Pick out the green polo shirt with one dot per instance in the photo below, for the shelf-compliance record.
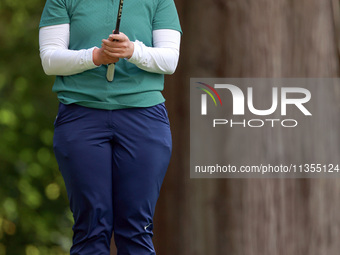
(90, 22)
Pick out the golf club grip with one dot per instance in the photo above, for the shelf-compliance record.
(110, 72)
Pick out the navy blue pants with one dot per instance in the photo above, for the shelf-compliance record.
(113, 164)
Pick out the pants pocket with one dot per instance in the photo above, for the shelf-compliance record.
(159, 112)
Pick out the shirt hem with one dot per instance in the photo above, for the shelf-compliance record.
(112, 106)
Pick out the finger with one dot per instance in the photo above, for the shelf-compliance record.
(111, 54)
(110, 43)
(118, 37)
(110, 47)
(114, 44)
(113, 49)
(120, 33)
(117, 48)
(109, 58)
(117, 44)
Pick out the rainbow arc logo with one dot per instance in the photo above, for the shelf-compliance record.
(204, 96)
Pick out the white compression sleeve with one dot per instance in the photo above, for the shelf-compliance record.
(55, 56)
(57, 59)
(163, 57)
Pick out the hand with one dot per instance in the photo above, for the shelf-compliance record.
(101, 58)
(118, 46)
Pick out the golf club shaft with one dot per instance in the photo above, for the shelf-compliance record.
(111, 67)
(119, 16)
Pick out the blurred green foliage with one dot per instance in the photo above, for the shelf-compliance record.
(34, 214)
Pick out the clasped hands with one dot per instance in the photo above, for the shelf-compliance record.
(112, 49)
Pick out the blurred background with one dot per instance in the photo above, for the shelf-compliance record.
(222, 38)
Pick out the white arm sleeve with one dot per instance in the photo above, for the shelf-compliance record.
(163, 57)
(55, 56)
(57, 59)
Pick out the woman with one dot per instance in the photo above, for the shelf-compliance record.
(112, 140)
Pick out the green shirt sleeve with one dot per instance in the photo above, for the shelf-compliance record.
(54, 13)
(166, 16)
